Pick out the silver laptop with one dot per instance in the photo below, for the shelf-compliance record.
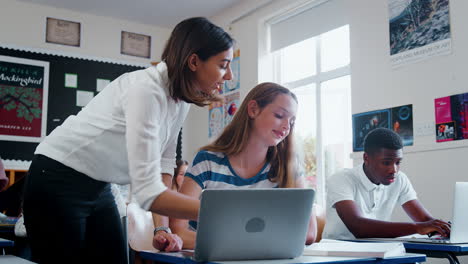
(459, 230)
(246, 224)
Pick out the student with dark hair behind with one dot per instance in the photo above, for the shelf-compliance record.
(360, 201)
(126, 134)
(163, 238)
(179, 174)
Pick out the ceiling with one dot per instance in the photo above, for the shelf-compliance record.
(162, 13)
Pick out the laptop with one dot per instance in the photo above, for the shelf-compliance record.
(248, 224)
(459, 229)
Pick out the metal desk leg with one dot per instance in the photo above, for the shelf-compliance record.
(452, 258)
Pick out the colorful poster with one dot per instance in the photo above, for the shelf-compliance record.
(399, 119)
(451, 115)
(418, 30)
(23, 99)
(215, 119)
(234, 83)
(231, 103)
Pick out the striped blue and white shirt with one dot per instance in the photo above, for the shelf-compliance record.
(212, 170)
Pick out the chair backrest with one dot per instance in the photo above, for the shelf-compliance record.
(140, 228)
(321, 217)
(3, 177)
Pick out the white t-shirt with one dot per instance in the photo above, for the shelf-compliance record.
(126, 134)
(375, 201)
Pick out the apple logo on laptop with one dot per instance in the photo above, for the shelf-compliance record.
(254, 225)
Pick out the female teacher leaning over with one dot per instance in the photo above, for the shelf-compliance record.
(126, 134)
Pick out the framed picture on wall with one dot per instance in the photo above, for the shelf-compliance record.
(63, 32)
(135, 44)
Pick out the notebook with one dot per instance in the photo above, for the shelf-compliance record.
(247, 224)
(329, 247)
(459, 230)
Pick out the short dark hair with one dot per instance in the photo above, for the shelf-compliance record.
(196, 35)
(380, 138)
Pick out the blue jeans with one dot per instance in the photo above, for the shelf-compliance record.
(70, 217)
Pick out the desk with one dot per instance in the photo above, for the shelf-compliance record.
(7, 225)
(184, 257)
(448, 251)
(14, 260)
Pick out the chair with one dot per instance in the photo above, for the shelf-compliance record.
(3, 177)
(140, 228)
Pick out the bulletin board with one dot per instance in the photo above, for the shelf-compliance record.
(84, 74)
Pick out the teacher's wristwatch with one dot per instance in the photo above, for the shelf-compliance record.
(162, 228)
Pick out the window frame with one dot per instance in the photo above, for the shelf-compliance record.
(316, 79)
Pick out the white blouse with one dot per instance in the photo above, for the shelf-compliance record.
(126, 134)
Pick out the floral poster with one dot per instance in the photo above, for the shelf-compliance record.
(215, 119)
(23, 99)
(419, 29)
(231, 103)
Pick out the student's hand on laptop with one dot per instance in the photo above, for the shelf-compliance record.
(436, 225)
(167, 242)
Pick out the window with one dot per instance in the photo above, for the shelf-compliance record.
(317, 71)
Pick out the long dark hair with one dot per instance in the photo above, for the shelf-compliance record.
(198, 36)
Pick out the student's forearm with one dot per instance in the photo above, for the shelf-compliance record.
(365, 227)
(416, 211)
(181, 228)
(173, 204)
(188, 236)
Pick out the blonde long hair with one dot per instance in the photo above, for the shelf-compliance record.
(236, 135)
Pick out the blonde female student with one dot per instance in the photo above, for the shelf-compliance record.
(126, 134)
(254, 151)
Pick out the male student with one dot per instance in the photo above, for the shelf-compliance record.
(360, 201)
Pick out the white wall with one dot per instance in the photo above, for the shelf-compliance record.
(23, 24)
(432, 167)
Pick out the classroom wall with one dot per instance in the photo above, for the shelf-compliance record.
(23, 24)
(432, 167)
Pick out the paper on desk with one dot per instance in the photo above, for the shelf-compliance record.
(328, 247)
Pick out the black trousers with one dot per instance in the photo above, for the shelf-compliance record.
(70, 217)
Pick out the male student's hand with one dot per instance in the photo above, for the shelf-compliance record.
(435, 225)
(167, 242)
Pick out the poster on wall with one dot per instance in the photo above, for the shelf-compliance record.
(231, 103)
(215, 119)
(451, 115)
(234, 83)
(418, 30)
(399, 119)
(23, 99)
